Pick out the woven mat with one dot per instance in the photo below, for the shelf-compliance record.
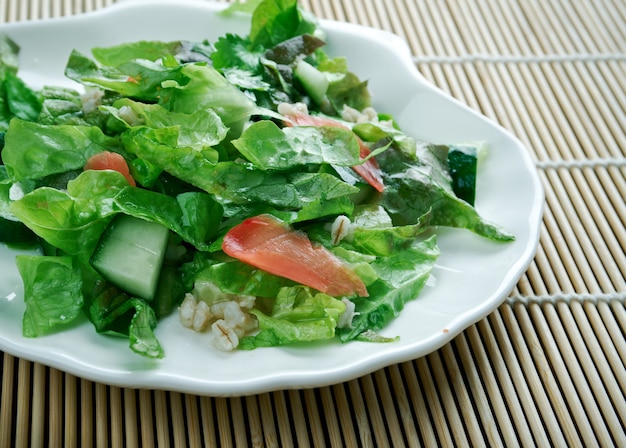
(547, 368)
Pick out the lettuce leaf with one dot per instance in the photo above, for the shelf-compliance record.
(401, 277)
(72, 220)
(52, 292)
(296, 315)
(236, 277)
(204, 87)
(269, 147)
(118, 55)
(373, 232)
(200, 129)
(34, 151)
(240, 183)
(137, 78)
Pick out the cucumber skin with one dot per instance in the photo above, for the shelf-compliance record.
(462, 164)
(130, 255)
(314, 82)
(16, 234)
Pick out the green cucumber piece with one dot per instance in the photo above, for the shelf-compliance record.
(15, 233)
(463, 164)
(130, 255)
(314, 82)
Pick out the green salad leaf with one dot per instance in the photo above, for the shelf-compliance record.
(296, 315)
(112, 312)
(270, 148)
(33, 150)
(401, 277)
(52, 292)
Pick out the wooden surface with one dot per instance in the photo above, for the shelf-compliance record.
(547, 368)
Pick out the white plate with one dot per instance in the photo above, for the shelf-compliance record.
(473, 275)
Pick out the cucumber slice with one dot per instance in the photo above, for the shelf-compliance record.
(15, 233)
(314, 82)
(463, 163)
(130, 255)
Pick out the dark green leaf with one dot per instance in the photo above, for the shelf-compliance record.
(113, 312)
(290, 50)
(415, 187)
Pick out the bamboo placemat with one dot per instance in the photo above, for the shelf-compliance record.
(547, 368)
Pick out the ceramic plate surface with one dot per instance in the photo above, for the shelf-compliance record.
(473, 275)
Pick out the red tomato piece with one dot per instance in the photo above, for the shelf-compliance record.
(269, 244)
(369, 170)
(107, 160)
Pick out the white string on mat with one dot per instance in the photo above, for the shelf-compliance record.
(567, 297)
(480, 57)
(584, 163)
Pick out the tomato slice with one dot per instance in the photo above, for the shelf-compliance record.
(369, 170)
(107, 160)
(269, 244)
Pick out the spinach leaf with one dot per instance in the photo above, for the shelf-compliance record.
(463, 164)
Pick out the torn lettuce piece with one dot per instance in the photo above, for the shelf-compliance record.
(204, 87)
(118, 55)
(372, 231)
(33, 151)
(275, 21)
(17, 99)
(61, 106)
(236, 277)
(401, 277)
(296, 315)
(52, 292)
(72, 220)
(138, 78)
(269, 147)
(200, 129)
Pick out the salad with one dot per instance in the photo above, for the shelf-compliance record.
(247, 184)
